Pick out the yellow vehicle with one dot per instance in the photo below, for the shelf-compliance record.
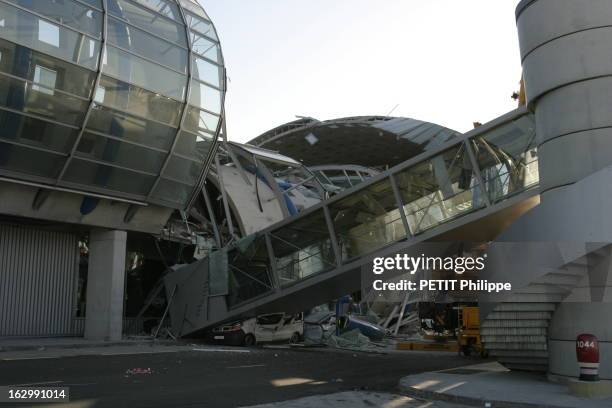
(468, 332)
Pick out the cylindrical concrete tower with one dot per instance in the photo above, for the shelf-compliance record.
(567, 63)
(565, 50)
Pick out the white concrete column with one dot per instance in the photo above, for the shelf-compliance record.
(105, 285)
(565, 50)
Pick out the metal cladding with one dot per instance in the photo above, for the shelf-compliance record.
(371, 141)
(34, 303)
(122, 98)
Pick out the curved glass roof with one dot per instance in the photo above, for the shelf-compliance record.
(116, 97)
(371, 141)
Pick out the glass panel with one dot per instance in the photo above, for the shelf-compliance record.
(36, 132)
(24, 28)
(199, 121)
(123, 154)
(203, 96)
(23, 160)
(130, 98)
(194, 7)
(140, 72)
(439, 189)
(218, 274)
(173, 192)
(68, 77)
(508, 158)
(338, 178)
(163, 7)
(195, 146)
(206, 71)
(147, 45)
(367, 220)
(148, 20)
(184, 170)
(249, 272)
(200, 25)
(112, 178)
(94, 3)
(320, 175)
(134, 129)
(205, 47)
(302, 248)
(36, 99)
(67, 12)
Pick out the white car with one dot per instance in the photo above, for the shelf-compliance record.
(274, 327)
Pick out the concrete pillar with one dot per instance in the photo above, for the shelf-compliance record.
(105, 285)
(565, 51)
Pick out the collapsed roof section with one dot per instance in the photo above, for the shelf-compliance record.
(370, 141)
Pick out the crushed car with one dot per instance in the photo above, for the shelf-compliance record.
(268, 328)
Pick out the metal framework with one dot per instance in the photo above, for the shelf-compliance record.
(185, 107)
(93, 91)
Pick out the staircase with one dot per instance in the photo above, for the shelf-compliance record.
(516, 332)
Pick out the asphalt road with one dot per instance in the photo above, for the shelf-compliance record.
(215, 378)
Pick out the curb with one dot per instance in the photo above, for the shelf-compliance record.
(458, 399)
(77, 346)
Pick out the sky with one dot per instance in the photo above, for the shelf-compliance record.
(444, 61)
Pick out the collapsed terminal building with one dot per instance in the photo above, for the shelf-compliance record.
(121, 196)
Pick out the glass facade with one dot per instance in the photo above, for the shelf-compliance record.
(119, 97)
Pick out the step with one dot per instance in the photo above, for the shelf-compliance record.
(514, 339)
(513, 323)
(513, 331)
(539, 368)
(544, 288)
(576, 270)
(582, 261)
(537, 298)
(526, 307)
(559, 279)
(540, 361)
(491, 345)
(519, 315)
(521, 353)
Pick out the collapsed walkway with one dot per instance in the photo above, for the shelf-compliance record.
(467, 189)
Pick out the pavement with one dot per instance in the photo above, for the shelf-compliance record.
(140, 372)
(44, 343)
(491, 383)
(185, 375)
(358, 399)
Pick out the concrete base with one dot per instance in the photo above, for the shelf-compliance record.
(597, 389)
(105, 285)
